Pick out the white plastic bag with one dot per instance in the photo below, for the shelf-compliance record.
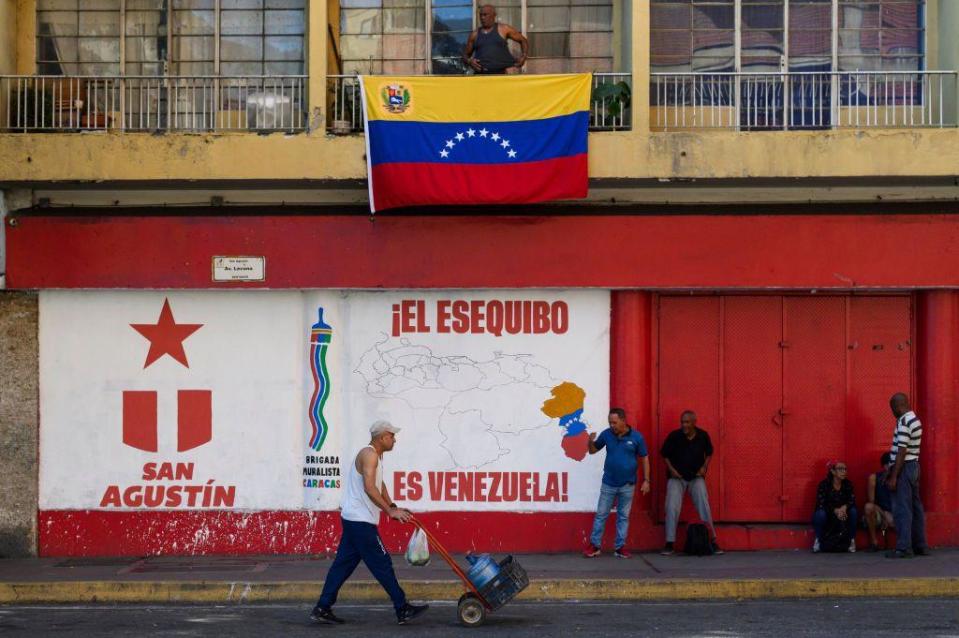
(418, 551)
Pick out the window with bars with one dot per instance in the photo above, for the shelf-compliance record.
(180, 37)
(428, 36)
(881, 35)
(870, 35)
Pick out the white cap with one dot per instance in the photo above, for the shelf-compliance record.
(379, 427)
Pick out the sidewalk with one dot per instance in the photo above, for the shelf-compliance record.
(209, 579)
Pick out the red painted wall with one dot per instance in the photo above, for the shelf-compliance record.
(723, 252)
(622, 251)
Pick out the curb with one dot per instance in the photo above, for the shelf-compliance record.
(539, 590)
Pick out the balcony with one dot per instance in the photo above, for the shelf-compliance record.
(803, 100)
(40, 103)
(345, 108)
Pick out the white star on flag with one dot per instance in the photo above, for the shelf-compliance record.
(459, 137)
(512, 153)
(444, 153)
(450, 144)
(504, 143)
(471, 132)
(495, 137)
(483, 132)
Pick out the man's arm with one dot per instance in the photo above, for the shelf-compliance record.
(516, 36)
(368, 461)
(468, 53)
(644, 488)
(593, 448)
(672, 470)
(871, 489)
(702, 471)
(894, 472)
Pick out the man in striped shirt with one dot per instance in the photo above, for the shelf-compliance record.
(903, 481)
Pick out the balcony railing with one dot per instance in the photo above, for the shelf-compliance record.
(149, 103)
(345, 109)
(802, 100)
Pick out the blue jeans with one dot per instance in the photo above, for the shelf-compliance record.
(361, 541)
(624, 499)
(907, 510)
(820, 518)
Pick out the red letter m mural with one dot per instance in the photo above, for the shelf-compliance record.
(194, 419)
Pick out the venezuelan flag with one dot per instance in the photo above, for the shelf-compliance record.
(475, 139)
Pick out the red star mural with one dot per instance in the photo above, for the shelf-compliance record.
(166, 336)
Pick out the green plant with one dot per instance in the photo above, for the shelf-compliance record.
(615, 96)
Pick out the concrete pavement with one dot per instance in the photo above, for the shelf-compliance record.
(734, 575)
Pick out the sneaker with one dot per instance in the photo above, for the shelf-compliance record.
(667, 550)
(408, 612)
(922, 551)
(326, 616)
(622, 552)
(873, 548)
(591, 551)
(815, 546)
(717, 550)
(898, 553)
(852, 546)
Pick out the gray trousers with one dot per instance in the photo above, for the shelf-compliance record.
(675, 488)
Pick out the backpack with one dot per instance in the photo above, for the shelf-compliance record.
(697, 540)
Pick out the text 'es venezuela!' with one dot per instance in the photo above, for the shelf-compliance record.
(483, 487)
(481, 316)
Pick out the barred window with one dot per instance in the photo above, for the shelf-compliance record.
(881, 35)
(797, 35)
(256, 37)
(428, 36)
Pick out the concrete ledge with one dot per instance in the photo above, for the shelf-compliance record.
(545, 590)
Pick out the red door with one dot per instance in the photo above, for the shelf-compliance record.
(814, 396)
(782, 384)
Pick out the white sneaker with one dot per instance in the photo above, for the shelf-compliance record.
(815, 546)
(852, 546)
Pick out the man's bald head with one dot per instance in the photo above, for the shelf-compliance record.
(487, 15)
(899, 404)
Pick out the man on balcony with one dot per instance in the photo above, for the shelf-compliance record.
(487, 50)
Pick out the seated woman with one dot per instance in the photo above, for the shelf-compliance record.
(835, 517)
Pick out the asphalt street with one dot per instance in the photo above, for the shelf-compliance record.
(847, 617)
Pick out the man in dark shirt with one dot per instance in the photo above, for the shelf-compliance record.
(487, 49)
(624, 446)
(687, 452)
(878, 508)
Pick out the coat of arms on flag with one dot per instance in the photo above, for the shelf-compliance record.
(476, 140)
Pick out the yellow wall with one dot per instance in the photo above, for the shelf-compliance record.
(629, 154)
(8, 37)
(238, 156)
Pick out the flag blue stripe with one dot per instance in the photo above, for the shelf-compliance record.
(533, 140)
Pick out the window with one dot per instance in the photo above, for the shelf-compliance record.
(428, 36)
(881, 35)
(179, 37)
(692, 36)
(797, 35)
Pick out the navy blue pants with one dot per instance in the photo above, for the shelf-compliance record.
(821, 518)
(361, 541)
(907, 510)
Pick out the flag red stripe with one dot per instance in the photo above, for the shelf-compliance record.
(416, 184)
(140, 419)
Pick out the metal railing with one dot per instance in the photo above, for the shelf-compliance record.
(149, 103)
(345, 108)
(803, 100)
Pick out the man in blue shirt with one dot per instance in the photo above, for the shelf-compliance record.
(624, 446)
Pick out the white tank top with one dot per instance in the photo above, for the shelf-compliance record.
(357, 506)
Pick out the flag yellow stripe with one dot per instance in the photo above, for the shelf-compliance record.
(499, 98)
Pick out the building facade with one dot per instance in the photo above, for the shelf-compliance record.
(200, 316)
